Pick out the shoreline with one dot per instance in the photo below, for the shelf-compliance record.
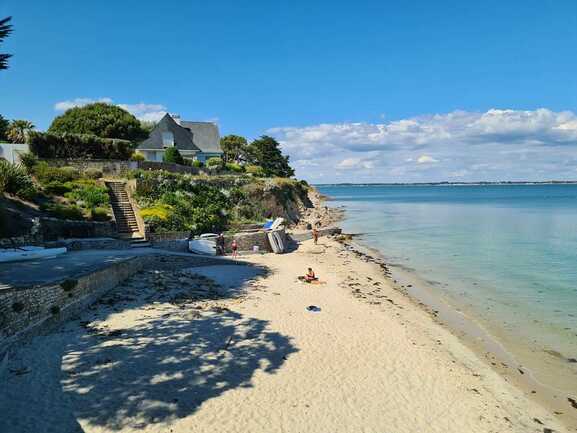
(494, 350)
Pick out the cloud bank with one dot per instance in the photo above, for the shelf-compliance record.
(144, 112)
(495, 145)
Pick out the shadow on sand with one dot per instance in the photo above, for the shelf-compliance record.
(163, 366)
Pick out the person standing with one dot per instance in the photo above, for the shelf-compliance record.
(315, 235)
(220, 245)
(234, 248)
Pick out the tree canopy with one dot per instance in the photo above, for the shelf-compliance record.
(234, 148)
(266, 153)
(100, 119)
(5, 30)
(173, 156)
(18, 131)
(4, 124)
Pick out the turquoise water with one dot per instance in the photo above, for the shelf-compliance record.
(507, 253)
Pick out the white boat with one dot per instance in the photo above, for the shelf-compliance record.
(205, 244)
(277, 223)
(276, 241)
(28, 253)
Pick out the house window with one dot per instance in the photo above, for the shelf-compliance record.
(167, 139)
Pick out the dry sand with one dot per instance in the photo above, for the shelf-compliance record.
(176, 353)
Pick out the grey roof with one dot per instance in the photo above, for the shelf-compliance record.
(199, 136)
(205, 135)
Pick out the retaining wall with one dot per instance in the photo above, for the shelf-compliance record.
(28, 311)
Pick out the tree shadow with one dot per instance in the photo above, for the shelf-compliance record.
(162, 368)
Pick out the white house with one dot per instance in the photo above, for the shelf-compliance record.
(194, 140)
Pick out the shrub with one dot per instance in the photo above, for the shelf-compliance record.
(93, 173)
(45, 173)
(79, 146)
(172, 155)
(55, 187)
(255, 170)
(99, 214)
(28, 160)
(159, 212)
(137, 156)
(214, 162)
(88, 195)
(15, 180)
(234, 167)
(198, 164)
(65, 212)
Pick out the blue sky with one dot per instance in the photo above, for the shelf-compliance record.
(336, 82)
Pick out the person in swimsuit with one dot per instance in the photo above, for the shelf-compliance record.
(315, 235)
(310, 276)
(234, 248)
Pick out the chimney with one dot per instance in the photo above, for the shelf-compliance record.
(176, 118)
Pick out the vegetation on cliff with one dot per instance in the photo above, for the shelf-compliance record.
(176, 202)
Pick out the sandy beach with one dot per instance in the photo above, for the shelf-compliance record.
(235, 349)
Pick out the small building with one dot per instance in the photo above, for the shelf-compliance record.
(194, 140)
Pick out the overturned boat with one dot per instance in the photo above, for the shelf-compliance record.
(28, 253)
(204, 244)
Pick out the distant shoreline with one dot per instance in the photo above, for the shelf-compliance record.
(499, 183)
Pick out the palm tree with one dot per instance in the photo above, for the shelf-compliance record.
(18, 130)
(5, 30)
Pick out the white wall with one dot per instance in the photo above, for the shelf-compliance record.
(11, 151)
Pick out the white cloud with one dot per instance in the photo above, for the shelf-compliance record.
(426, 159)
(491, 145)
(144, 112)
(355, 163)
(78, 102)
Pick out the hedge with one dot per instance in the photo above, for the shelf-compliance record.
(45, 145)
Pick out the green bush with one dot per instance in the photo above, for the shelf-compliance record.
(137, 156)
(14, 179)
(45, 145)
(198, 164)
(172, 155)
(65, 212)
(99, 119)
(93, 173)
(99, 214)
(45, 173)
(55, 187)
(88, 195)
(234, 167)
(28, 160)
(255, 170)
(214, 162)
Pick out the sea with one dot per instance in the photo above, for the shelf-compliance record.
(505, 254)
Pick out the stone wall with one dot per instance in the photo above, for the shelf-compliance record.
(109, 167)
(27, 311)
(52, 229)
(247, 241)
(303, 236)
(173, 168)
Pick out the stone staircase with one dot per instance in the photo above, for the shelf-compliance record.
(126, 223)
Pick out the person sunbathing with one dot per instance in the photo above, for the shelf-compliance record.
(310, 276)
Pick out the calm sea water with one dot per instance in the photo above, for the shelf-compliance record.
(508, 253)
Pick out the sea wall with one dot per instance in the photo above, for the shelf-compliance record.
(52, 229)
(28, 311)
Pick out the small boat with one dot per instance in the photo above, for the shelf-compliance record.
(276, 241)
(205, 244)
(28, 253)
(273, 225)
